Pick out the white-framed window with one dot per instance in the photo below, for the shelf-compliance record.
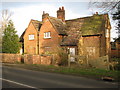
(72, 53)
(47, 35)
(31, 37)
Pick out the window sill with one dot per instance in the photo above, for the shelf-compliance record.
(31, 40)
(47, 37)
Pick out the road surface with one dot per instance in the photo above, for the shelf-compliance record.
(21, 78)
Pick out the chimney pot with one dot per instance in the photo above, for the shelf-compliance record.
(43, 12)
(44, 16)
(59, 8)
(61, 14)
(97, 13)
(62, 8)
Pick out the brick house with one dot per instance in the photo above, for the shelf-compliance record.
(115, 48)
(81, 36)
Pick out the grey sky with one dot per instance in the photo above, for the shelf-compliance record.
(25, 11)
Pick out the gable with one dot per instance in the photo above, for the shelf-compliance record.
(30, 30)
(59, 26)
(47, 26)
(37, 24)
(34, 25)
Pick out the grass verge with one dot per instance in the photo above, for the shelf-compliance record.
(89, 73)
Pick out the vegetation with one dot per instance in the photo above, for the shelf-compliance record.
(112, 7)
(89, 73)
(117, 66)
(93, 24)
(63, 56)
(10, 40)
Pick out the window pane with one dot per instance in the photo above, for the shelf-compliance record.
(47, 35)
(31, 37)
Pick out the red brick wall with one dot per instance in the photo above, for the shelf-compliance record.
(46, 60)
(115, 53)
(30, 46)
(28, 59)
(10, 58)
(52, 42)
(37, 59)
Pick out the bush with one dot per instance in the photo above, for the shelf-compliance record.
(63, 57)
(117, 66)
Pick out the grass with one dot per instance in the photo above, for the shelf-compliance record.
(89, 73)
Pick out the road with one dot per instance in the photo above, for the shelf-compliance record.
(21, 78)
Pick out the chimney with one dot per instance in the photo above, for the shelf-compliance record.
(44, 15)
(96, 13)
(61, 14)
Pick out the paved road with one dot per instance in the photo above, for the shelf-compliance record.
(22, 78)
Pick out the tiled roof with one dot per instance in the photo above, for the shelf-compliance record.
(37, 24)
(73, 29)
(58, 25)
(81, 27)
(21, 37)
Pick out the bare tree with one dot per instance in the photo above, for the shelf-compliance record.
(110, 6)
(5, 17)
(107, 6)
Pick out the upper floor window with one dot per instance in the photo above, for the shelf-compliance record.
(47, 35)
(31, 37)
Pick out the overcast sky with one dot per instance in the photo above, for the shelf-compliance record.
(23, 12)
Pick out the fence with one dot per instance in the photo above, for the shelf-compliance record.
(86, 62)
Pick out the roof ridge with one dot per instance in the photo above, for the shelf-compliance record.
(83, 17)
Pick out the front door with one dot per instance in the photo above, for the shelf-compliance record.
(72, 54)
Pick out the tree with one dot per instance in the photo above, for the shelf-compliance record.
(4, 19)
(106, 6)
(10, 41)
(6, 15)
(116, 16)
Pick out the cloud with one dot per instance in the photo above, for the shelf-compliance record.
(23, 15)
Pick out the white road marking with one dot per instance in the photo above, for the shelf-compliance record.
(18, 83)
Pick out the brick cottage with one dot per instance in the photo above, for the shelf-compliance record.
(89, 36)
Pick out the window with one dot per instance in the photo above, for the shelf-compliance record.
(47, 35)
(72, 53)
(91, 51)
(31, 37)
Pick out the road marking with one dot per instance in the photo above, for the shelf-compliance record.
(18, 83)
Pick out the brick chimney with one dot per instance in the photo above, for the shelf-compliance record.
(61, 14)
(44, 16)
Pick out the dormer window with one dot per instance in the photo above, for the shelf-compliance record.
(31, 37)
(47, 35)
